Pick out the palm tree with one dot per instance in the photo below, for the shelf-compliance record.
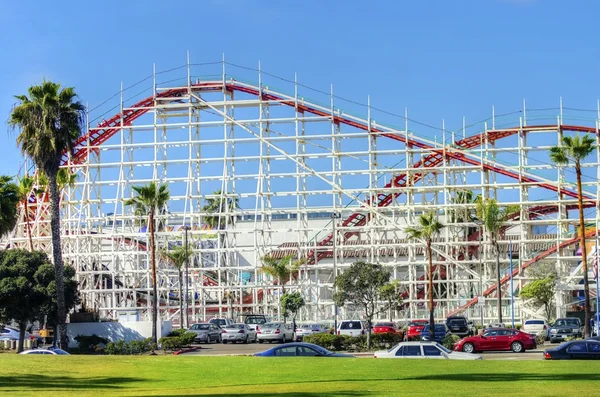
(9, 199)
(230, 297)
(50, 121)
(575, 149)
(428, 227)
(149, 201)
(219, 207)
(178, 256)
(25, 189)
(494, 218)
(280, 269)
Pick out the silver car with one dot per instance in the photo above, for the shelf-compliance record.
(206, 332)
(238, 333)
(308, 329)
(275, 332)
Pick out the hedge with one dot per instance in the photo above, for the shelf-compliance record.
(358, 343)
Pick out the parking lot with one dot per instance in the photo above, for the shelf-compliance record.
(218, 349)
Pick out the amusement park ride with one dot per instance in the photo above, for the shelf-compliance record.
(290, 164)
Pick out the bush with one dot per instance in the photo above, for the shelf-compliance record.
(141, 346)
(187, 338)
(90, 343)
(118, 348)
(449, 341)
(358, 343)
(385, 340)
(177, 332)
(328, 341)
(170, 342)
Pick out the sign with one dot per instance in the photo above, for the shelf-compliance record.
(480, 300)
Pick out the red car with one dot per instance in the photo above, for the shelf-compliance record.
(497, 339)
(383, 327)
(414, 329)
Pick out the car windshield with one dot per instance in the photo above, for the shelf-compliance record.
(457, 321)
(200, 327)
(236, 326)
(218, 321)
(384, 325)
(255, 320)
(442, 348)
(438, 328)
(59, 351)
(351, 325)
(534, 322)
(416, 323)
(566, 322)
(321, 350)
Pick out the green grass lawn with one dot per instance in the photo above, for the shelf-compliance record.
(307, 377)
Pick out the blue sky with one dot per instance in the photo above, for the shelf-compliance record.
(441, 59)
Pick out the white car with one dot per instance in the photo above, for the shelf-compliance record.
(275, 332)
(46, 352)
(9, 333)
(238, 333)
(536, 326)
(308, 329)
(429, 350)
(352, 328)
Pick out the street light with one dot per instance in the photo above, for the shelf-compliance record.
(335, 216)
(479, 224)
(187, 282)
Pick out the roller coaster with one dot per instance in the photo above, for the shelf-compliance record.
(313, 182)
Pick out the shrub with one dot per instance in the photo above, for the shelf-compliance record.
(90, 343)
(141, 346)
(328, 341)
(170, 342)
(449, 341)
(187, 338)
(177, 332)
(385, 340)
(118, 348)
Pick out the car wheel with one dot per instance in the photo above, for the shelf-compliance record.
(517, 347)
(246, 340)
(220, 339)
(468, 348)
(224, 342)
(207, 340)
(260, 341)
(283, 339)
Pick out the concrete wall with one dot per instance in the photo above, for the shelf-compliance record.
(116, 331)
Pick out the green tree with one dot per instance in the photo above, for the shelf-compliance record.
(45, 279)
(393, 297)
(541, 292)
(221, 209)
(575, 150)
(150, 200)
(292, 303)
(20, 297)
(26, 188)
(428, 227)
(361, 285)
(281, 270)
(50, 121)
(9, 199)
(494, 219)
(178, 256)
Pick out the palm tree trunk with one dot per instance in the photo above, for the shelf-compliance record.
(586, 286)
(430, 278)
(27, 223)
(180, 298)
(58, 262)
(498, 290)
(154, 289)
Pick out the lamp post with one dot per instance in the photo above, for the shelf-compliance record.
(335, 216)
(187, 282)
(479, 224)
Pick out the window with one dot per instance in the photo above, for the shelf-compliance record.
(534, 322)
(431, 351)
(504, 332)
(351, 325)
(594, 347)
(491, 333)
(197, 327)
(286, 352)
(399, 352)
(577, 348)
(412, 351)
(304, 351)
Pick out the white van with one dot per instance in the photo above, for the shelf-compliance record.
(352, 328)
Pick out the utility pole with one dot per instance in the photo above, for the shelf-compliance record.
(335, 216)
(479, 224)
(187, 282)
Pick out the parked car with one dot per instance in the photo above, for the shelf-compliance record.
(221, 322)
(496, 325)
(439, 332)
(300, 349)
(536, 326)
(458, 325)
(352, 328)
(472, 327)
(564, 328)
(383, 327)
(431, 350)
(46, 352)
(414, 329)
(206, 332)
(497, 339)
(255, 321)
(9, 333)
(309, 329)
(238, 333)
(275, 332)
(575, 350)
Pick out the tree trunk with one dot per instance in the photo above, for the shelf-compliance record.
(22, 325)
(180, 298)
(369, 332)
(391, 312)
(498, 289)
(27, 225)
(430, 278)
(586, 286)
(154, 288)
(58, 262)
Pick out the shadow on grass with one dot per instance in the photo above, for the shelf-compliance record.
(63, 382)
(504, 377)
(270, 393)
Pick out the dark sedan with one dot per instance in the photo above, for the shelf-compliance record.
(299, 349)
(575, 350)
(439, 333)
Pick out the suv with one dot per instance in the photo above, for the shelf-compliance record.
(458, 325)
(564, 328)
(352, 328)
(222, 322)
(255, 321)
